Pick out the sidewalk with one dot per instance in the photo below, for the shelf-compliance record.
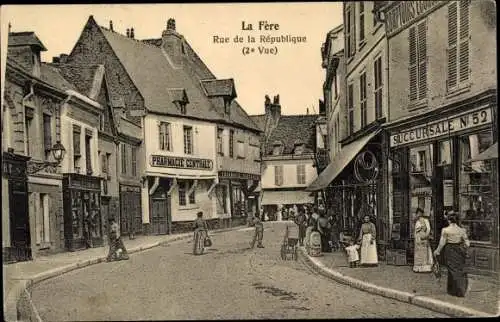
(19, 276)
(401, 283)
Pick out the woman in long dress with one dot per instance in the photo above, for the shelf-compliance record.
(367, 236)
(455, 243)
(422, 261)
(200, 234)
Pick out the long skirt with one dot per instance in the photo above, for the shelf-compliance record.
(368, 251)
(454, 256)
(307, 239)
(315, 244)
(325, 239)
(422, 260)
(199, 241)
(117, 250)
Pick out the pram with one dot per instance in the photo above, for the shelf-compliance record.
(290, 242)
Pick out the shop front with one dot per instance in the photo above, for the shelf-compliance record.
(240, 188)
(435, 167)
(82, 212)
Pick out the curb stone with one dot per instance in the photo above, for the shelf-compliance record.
(422, 301)
(30, 313)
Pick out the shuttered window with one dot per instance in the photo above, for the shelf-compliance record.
(377, 72)
(362, 98)
(361, 23)
(458, 43)
(278, 175)
(164, 137)
(350, 107)
(350, 32)
(418, 61)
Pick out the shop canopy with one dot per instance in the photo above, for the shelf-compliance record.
(488, 154)
(339, 162)
(286, 197)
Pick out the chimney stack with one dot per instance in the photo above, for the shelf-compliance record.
(63, 58)
(132, 35)
(55, 60)
(172, 43)
(128, 33)
(171, 24)
(111, 25)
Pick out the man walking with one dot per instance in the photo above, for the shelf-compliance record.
(259, 233)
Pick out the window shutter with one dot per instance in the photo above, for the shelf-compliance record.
(353, 32)
(452, 45)
(422, 60)
(413, 63)
(161, 136)
(103, 163)
(464, 41)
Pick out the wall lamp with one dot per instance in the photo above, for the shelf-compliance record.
(58, 152)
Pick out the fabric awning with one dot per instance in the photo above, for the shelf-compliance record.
(488, 154)
(286, 197)
(339, 162)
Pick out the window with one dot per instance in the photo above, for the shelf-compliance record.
(377, 72)
(337, 133)
(182, 107)
(42, 220)
(350, 32)
(124, 158)
(418, 61)
(361, 23)
(47, 134)
(28, 122)
(105, 171)
(76, 148)
(278, 175)
(241, 149)
(350, 107)
(220, 141)
(231, 143)
(301, 174)
(335, 85)
(133, 156)
(188, 140)
(184, 187)
(362, 98)
(476, 182)
(88, 154)
(458, 43)
(164, 130)
(101, 122)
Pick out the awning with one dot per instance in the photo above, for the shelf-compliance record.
(339, 162)
(488, 154)
(286, 197)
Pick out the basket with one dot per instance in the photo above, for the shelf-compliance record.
(396, 257)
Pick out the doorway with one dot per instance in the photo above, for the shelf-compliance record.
(160, 212)
(19, 221)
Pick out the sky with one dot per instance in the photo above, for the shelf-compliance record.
(295, 72)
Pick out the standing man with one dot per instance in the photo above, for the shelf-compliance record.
(259, 233)
(301, 221)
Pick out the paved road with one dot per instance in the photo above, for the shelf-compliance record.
(229, 282)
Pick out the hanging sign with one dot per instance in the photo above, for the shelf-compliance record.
(442, 127)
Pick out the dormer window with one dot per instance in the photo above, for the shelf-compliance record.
(277, 148)
(182, 107)
(179, 98)
(298, 147)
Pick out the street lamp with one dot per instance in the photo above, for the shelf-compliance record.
(58, 152)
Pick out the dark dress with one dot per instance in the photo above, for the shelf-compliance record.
(200, 233)
(324, 230)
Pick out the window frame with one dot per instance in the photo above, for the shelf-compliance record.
(378, 87)
(458, 47)
(220, 141)
(133, 157)
(278, 175)
(418, 90)
(361, 21)
(123, 157)
(350, 108)
(231, 143)
(164, 136)
(363, 99)
(188, 140)
(301, 174)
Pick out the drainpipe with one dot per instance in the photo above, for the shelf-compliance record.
(25, 98)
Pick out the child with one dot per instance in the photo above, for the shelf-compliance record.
(352, 254)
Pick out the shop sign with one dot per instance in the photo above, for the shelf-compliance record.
(406, 12)
(238, 175)
(442, 127)
(181, 162)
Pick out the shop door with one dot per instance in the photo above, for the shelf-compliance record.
(19, 220)
(159, 216)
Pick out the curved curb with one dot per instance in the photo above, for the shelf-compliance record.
(422, 301)
(15, 309)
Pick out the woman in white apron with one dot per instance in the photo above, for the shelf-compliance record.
(367, 236)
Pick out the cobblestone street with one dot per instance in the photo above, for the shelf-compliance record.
(230, 281)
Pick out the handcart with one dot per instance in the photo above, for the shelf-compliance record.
(290, 243)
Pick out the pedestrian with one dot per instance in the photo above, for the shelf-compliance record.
(200, 234)
(352, 254)
(334, 232)
(455, 243)
(367, 237)
(117, 250)
(324, 230)
(301, 222)
(422, 262)
(259, 233)
(311, 224)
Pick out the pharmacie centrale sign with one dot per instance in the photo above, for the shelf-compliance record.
(181, 162)
(442, 127)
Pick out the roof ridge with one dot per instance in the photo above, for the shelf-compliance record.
(125, 37)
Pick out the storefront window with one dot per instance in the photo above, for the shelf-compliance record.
(421, 172)
(476, 182)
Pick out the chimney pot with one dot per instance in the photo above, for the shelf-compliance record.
(132, 35)
(63, 58)
(111, 25)
(55, 60)
(128, 33)
(171, 24)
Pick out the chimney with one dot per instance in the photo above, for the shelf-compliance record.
(128, 33)
(307, 110)
(111, 25)
(273, 110)
(132, 35)
(172, 43)
(55, 60)
(63, 58)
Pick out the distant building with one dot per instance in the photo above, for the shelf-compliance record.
(288, 158)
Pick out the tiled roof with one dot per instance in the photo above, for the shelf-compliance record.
(81, 76)
(52, 76)
(219, 87)
(25, 38)
(260, 120)
(291, 129)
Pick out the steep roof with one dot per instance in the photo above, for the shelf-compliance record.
(260, 120)
(52, 76)
(25, 38)
(291, 129)
(81, 76)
